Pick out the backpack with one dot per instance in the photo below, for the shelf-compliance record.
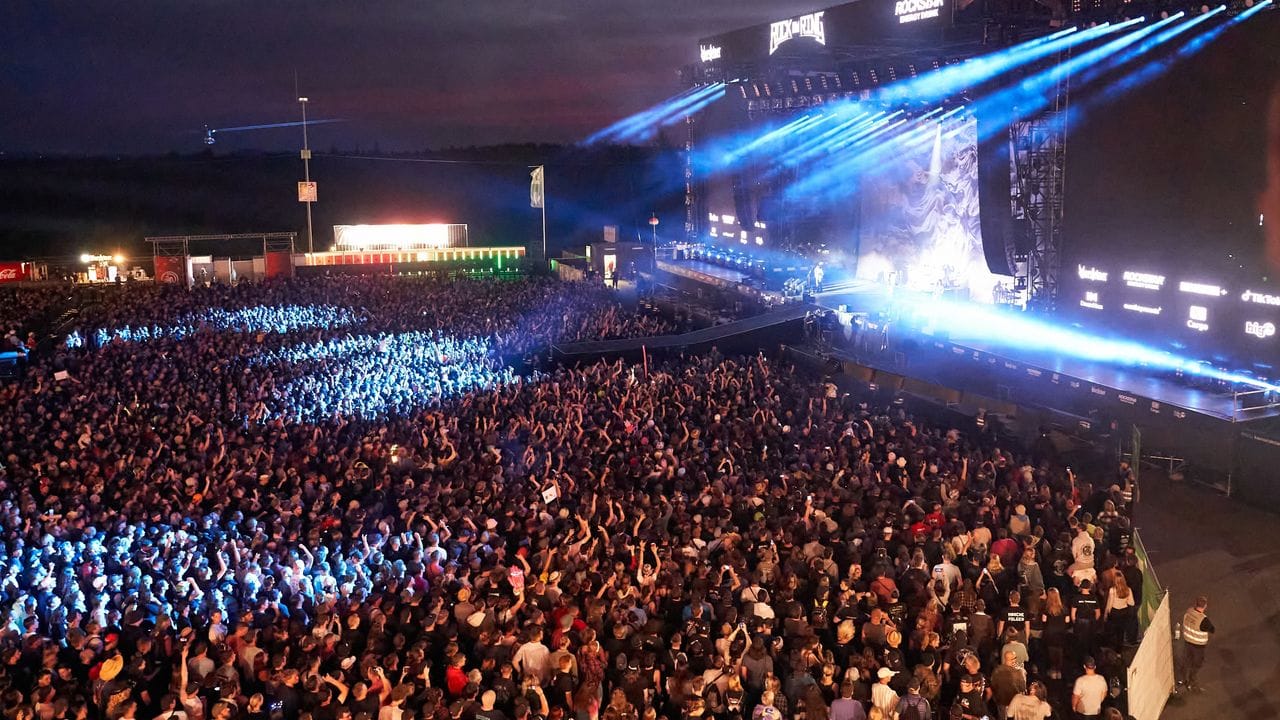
(911, 708)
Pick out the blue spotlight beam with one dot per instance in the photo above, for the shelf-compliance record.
(816, 146)
(1150, 70)
(1106, 62)
(771, 136)
(954, 78)
(876, 148)
(676, 114)
(269, 126)
(636, 124)
(1002, 108)
(641, 117)
(646, 122)
(1196, 44)
(1004, 329)
(849, 155)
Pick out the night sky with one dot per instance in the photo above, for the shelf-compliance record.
(144, 76)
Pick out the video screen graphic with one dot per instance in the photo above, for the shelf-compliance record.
(911, 219)
(921, 220)
(1172, 233)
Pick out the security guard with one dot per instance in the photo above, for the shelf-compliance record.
(1196, 630)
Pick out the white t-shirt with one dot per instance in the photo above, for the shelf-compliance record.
(534, 658)
(1092, 690)
(1029, 707)
(949, 573)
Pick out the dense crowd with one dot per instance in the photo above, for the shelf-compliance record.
(220, 523)
(22, 311)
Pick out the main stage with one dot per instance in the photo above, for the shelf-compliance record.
(1132, 386)
(1220, 434)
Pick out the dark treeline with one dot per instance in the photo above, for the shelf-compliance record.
(66, 206)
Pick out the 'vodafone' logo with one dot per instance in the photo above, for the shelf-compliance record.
(169, 276)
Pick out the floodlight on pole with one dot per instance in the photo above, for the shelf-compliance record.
(306, 171)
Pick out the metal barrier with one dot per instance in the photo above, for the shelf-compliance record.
(1239, 397)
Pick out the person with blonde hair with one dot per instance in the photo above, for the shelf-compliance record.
(1056, 623)
(1120, 613)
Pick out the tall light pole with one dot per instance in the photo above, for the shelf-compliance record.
(306, 171)
(653, 223)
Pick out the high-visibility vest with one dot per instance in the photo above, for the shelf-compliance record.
(1191, 631)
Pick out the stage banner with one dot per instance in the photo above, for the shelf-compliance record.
(171, 269)
(279, 264)
(536, 198)
(12, 272)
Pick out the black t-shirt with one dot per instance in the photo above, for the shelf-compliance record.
(505, 690)
(562, 685)
(370, 704)
(1086, 607)
(969, 705)
(1014, 616)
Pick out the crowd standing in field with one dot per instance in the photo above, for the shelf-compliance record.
(337, 500)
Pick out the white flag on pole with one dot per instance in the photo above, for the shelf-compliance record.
(535, 188)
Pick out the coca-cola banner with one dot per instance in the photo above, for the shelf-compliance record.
(171, 269)
(12, 271)
(279, 264)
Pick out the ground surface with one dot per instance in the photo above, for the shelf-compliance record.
(1203, 543)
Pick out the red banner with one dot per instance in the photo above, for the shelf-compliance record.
(278, 264)
(171, 269)
(13, 272)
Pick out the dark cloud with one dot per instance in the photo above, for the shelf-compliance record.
(146, 75)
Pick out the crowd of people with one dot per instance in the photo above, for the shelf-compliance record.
(23, 310)
(262, 519)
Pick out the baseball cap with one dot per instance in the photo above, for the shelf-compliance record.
(885, 672)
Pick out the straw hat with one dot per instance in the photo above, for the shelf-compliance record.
(111, 668)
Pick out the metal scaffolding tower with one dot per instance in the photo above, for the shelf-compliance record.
(691, 212)
(1039, 145)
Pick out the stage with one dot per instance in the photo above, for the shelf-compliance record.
(1129, 386)
(705, 272)
(1222, 443)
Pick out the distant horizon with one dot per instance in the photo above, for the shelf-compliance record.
(656, 145)
(91, 80)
